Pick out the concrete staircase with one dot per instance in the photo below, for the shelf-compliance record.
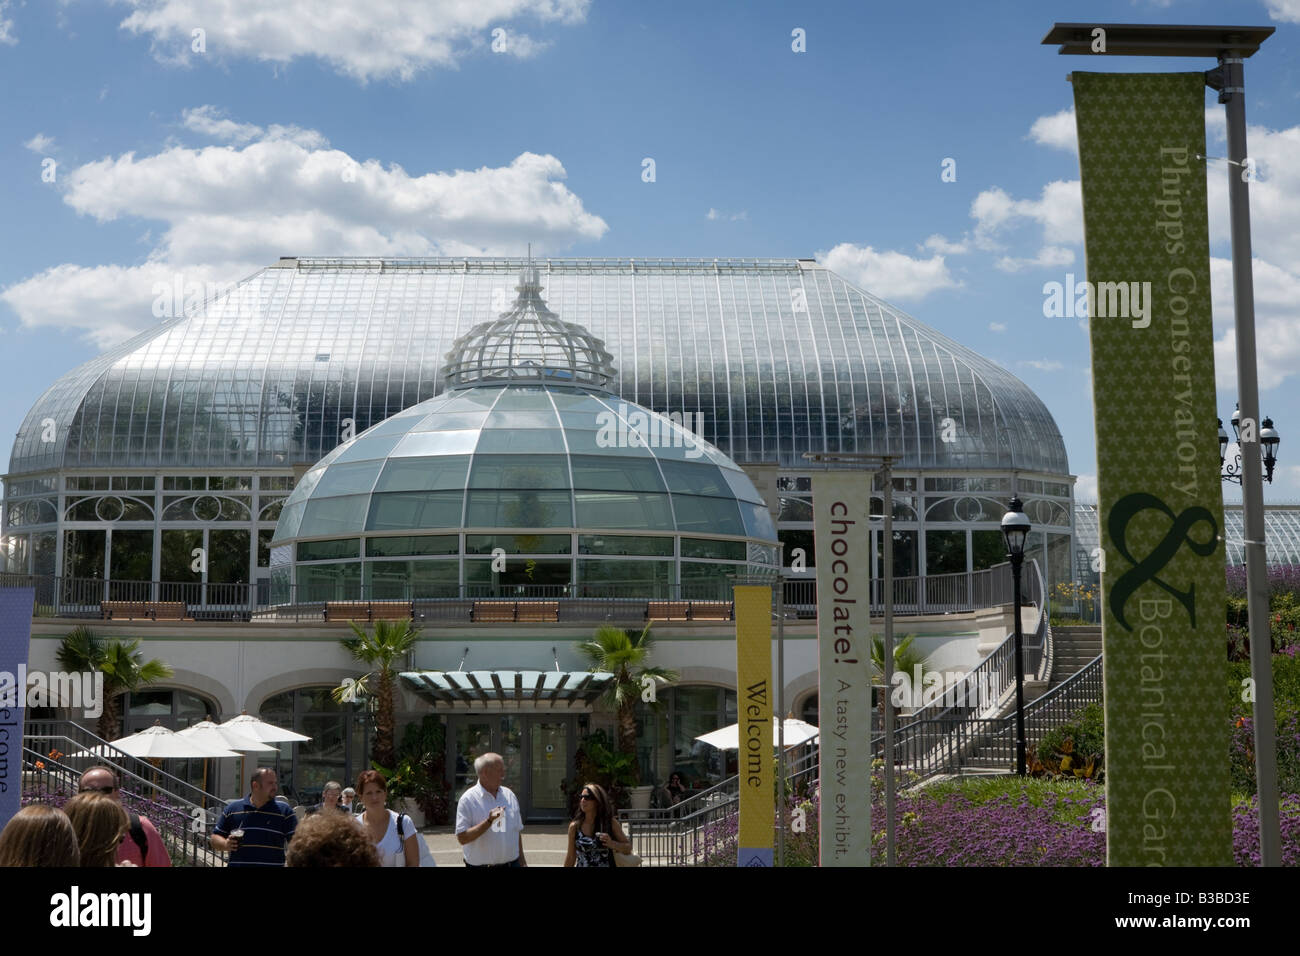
(1073, 648)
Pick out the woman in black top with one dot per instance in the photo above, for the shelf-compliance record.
(595, 833)
(676, 789)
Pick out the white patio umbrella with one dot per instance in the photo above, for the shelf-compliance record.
(728, 738)
(254, 728)
(222, 738)
(246, 725)
(158, 743)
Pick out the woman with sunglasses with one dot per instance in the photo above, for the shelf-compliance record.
(595, 833)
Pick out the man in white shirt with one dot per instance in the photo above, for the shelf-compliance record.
(488, 823)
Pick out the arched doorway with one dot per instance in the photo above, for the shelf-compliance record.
(339, 748)
(175, 709)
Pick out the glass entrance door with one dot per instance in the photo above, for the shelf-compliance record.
(538, 751)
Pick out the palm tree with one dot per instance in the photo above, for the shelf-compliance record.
(389, 644)
(613, 650)
(906, 660)
(123, 666)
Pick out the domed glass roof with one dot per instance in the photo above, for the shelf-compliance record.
(529, 342)
(776, 357)
(525, 458)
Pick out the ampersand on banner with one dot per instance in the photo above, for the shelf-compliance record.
(1125, 510)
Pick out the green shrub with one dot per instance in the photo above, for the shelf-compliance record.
(1079, 740)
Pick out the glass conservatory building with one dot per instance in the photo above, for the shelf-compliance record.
(191, 437)
(526, 473)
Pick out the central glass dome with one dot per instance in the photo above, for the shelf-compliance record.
(519, 476)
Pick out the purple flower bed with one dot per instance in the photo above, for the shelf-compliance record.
(999, 822)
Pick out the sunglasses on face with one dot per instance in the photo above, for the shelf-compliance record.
(587, 796)
(97, 789)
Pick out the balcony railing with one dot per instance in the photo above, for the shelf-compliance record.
(615, 602)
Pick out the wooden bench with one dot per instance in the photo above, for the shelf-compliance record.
(493, 612)
(368, 610)
(535, 612)
(668, 610)
(710, 610)
(122, 610)
(166, 610)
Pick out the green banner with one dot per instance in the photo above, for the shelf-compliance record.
(754, 762)
(1141, 137)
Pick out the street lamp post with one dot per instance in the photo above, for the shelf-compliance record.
(1230, 45)
(1268, 440)
(1015, 528)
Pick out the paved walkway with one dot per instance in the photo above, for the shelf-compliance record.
(544, 845)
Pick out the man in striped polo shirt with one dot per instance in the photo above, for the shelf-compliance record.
(267, 824)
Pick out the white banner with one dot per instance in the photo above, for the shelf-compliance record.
(841, 503)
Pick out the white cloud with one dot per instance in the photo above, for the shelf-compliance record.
(1059, 211)
(997, 326)
(1047, 257)
(1057, 131)
(1085, 489)
(1287, 11)
(6, 26)
(1274, 195)
(944, 246)
(364, 39)
(716, 214)
(1277, 332)
(513, 43)
(888, 274)
(227, 211)
(1043, 365)
(210, 121)
(40, 143)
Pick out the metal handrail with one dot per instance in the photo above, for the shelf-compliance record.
(184, 815)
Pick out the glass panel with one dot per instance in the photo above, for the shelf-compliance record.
(329, 550)
(758, 521)
(799, 539)
(347, 479)
(189, 705)
(987, 549)
(904, 556)
(624, 544)
(423, 474)
(500, 440)
(796, 509)
(264, 547)
(472, 739)
(508, 471)
(549, 753)
(608, 509)
(329, 582)
(519, 509)
(228, 556)
(413, 544)
(518, 577)
(945, 552)
(511, 748)
(616, 474)
(711, 515)
(405, 580)
(326, 515)
(695, 478)
(518, 543)
(710, 548)
(401, 510)
(150, 703)
(638, 578)
(178, 555)
(132, 558)
(708, 582)
(320, 759)
(421, 444)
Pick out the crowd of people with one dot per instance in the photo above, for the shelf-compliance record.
(94, 829)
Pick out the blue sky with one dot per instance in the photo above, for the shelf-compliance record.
(364, 127)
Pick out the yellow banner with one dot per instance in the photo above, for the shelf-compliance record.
(754, 697)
